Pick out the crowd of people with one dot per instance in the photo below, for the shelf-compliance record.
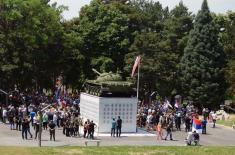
(160, 115)
(26, 111)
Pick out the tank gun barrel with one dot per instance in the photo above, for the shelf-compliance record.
(94, 70)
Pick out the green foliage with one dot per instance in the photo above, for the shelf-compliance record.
(28, 28)
(160, 47)
(98, 39)
(37, 45)
(104, 64)
(203, 62)
(226, 25)
(74, 60)
(105, 32)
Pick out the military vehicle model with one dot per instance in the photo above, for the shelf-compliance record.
(109, 85)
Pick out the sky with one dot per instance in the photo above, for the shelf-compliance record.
(217, 6)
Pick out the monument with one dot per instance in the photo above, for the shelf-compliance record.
(106, 98)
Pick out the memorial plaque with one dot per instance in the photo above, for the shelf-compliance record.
(103, 110)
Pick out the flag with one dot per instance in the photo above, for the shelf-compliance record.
(57, 93)
(137, 63)
(177, 103)
(197, 126)
(167, 104)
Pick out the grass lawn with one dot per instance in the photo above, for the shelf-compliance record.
(126, 150)
(229, 122)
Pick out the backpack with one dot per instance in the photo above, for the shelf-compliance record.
(196, 136)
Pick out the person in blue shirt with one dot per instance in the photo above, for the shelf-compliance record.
(32, 114)
(113, 127)
(204, 122)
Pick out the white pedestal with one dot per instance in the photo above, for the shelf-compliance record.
(102, 109)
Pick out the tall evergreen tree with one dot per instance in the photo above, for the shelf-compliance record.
(203, 62)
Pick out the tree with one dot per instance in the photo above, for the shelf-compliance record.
(226, 25)
(161, 48)
(230, 51)
(104, 32)
(202, 64)
(176, 32)
(151, 17)
(74, 60)
(29, 29)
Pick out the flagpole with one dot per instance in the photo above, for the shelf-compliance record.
(138, 82)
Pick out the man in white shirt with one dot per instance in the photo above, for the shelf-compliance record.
(149, 121)
(55, 117)
(4, 115)
(214, 117)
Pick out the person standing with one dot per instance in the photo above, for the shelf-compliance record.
(119, 127)
(113, 127)
(45, 121)
(149, 120)
(16, 122)
(11, 119)
(27, 126)
(76, 126)
(58, 123)
(85, 129)
(4, 115)
(187, 123)
(159, 131)
(52, 130)
(92, 126)
(71, 129)
(67, 128)
(32, 114)
(169, 129)
(178, 121)
(204, 122)
(20, 119)
(214, 117)
(24, 129)
(55, 118)
(88, 129)
(36, 126)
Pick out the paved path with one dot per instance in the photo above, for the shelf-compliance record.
(220, 136)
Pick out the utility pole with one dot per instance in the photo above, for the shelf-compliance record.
(40, 129)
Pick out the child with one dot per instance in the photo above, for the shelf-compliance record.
(159, 131)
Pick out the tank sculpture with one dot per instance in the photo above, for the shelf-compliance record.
(109, 85)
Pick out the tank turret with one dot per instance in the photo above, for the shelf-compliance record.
(109, 84)
(107, 76)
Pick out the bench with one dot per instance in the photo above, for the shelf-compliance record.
(97, 142)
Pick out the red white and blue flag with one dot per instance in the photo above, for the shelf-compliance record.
(197, 125)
